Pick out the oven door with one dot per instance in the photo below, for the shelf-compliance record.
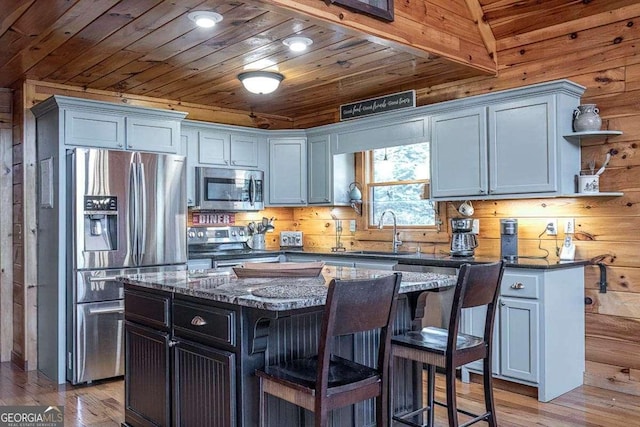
(99, 341)
(229, 189)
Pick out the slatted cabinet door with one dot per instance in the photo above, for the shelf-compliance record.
(204, 390)
(147, 377)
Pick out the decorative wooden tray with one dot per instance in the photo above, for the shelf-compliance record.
(281, 269)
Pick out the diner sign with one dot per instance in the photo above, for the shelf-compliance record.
(378, 105)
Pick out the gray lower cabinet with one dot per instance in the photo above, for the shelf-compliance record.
(288, 171)
(538, 331)
(180, 362)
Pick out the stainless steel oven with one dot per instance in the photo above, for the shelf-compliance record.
(229, 189)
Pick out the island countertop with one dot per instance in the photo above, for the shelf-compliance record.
(275, 294)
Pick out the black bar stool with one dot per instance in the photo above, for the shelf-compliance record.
(325, 382)
(478, 285)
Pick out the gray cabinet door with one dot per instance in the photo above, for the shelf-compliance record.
(459, 153)
(244, 151)
(99, 130)
(522, 146)
(319, 165)
(473, 324)
(519, 338)
(214, 148)
(153, 135)
(288, 171)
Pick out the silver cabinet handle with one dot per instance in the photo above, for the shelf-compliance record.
(517, 285)
(116, 310)
(198, 321)
(173, 343)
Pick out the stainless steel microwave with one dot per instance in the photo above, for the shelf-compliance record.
(229, 189)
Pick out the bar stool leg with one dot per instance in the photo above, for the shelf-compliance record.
(431, 385)
(261, 421)
(487, 380)
(452, 408)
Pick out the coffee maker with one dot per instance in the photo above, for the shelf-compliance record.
(509, 239)
(463, 240)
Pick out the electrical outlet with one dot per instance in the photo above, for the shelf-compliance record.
(475, 228)
(552, 227)
(569, 225)
(352, 225)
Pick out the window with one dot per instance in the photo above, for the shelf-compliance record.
(398, 177)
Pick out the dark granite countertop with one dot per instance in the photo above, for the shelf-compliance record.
(289, 293)
(410, 258)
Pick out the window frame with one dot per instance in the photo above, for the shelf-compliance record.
(367, 177)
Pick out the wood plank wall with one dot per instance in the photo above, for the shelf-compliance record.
(6, 212)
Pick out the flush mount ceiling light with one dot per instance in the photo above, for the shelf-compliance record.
(297, 44)
(260, 82)
(205, 19)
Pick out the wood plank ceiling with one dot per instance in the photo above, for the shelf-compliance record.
(151, 48)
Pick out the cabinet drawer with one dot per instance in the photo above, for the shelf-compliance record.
(520, 285)
(204, 323)
(147, 309)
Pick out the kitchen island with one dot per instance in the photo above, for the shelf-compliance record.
(195, 339)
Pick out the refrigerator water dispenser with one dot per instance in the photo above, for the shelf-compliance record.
(100, 223)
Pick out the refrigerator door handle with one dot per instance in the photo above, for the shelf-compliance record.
(142, 214)
(133, 211)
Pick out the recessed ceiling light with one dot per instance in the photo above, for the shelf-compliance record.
(205, 19)
(297, 44)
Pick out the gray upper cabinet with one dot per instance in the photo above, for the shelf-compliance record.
(88, 129)
(459, 153)
(155, 135)
(506, 145)
(523, 147)
(287, 171)
(99, 124)
(226, 149)
(329, 175)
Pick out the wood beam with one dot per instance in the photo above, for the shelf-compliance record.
(484, 28)
(407, 33)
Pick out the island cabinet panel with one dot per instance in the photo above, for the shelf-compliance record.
(204, 390)
(147, 377)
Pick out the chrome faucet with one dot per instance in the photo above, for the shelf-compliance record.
(396, 241)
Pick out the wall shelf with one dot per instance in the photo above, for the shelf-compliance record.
(594, 134)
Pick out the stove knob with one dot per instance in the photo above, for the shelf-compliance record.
(233, 233)
(200, 234)
(298, 240)
(241, 233)
(285, 240)
(191, 234)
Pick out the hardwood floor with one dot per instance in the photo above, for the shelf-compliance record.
(101, 404)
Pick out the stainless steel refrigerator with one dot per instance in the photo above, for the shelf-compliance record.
(125, 213)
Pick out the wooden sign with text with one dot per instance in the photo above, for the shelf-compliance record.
(378, 105)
